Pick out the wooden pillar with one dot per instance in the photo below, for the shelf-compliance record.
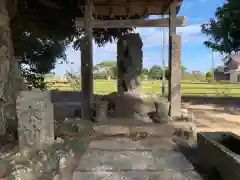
(87, 63)
(174, 82)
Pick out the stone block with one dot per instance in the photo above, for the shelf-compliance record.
(186, 130)
(35, 118)
(220, 151)
(161, 175)
(101, 108)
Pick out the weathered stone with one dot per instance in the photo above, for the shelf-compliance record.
(24, 154)
(158, 159)
(175, 79)
(35, 116)
(20, 171)
(162, 130)
(4, 167)
(56, 161)
(147, 144)
(161, 175)
(186, 130)
(129, 63)
(101, 108)
(162, 110)
(67, 163)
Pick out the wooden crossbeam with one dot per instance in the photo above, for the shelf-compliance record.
(163, 22)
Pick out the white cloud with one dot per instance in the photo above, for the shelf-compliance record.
(151, 37)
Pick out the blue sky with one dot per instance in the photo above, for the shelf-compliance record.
(195, 56)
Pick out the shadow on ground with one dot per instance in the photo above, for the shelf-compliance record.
(191, 153)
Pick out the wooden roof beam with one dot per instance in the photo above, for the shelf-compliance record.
(163, 22)
(134, 4)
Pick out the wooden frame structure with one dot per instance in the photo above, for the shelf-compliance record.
(129, 8)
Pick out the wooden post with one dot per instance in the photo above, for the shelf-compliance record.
(87, 63)
(174, 64)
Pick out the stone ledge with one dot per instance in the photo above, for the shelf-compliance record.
(160, 175)
(123, 143)
(156, 130)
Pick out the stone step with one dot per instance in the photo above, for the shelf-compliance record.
(161, 175)
(158, 130)
(133, 160)
(120, 143)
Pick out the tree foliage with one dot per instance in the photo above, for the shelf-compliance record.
(105, 69)
(43, 29)
(224, 30)
(155, 72)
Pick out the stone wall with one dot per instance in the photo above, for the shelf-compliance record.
(129, 62)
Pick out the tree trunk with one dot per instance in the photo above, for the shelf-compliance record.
(6, 61)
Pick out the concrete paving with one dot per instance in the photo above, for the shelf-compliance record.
(125, 159)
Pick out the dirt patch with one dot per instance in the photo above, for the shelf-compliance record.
(211, 117)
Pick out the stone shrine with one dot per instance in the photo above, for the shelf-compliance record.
(129, 63)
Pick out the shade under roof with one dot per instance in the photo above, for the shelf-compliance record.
(132, 7)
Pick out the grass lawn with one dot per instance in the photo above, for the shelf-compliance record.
(107, 86)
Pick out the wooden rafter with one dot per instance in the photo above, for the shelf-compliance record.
(114, 8)
(133, 4)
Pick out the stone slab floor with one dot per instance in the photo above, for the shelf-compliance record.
(119, 158)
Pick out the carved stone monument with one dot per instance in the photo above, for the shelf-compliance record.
(129, 63)
(35, 119)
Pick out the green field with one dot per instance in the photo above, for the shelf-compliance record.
(188, 88)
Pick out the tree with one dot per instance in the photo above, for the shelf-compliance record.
(144, 71)
(74, 80)
(224, 30)
(209, 76)
(155, 72)
(184, 68)
(106, 69)
(41, 30)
